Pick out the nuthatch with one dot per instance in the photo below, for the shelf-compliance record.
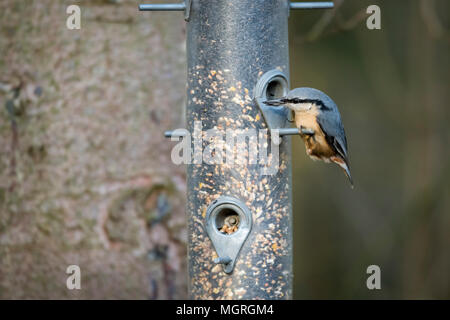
(319, 122)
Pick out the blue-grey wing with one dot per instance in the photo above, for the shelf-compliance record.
(331, 124)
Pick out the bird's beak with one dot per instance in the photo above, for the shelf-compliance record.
(276, 102)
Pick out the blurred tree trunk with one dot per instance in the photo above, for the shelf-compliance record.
(85, 174)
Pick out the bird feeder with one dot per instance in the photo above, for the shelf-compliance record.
(239, 216)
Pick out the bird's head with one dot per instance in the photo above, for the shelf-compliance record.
(303, 99)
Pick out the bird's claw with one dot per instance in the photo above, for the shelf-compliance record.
(306, 131)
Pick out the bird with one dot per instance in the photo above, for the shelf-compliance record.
(320, 126)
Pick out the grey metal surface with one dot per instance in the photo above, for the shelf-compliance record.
(230, 45)
(288, 131)
(163, 7)
(182, 6)
(311, 5)
(228, 246)
(174, 133)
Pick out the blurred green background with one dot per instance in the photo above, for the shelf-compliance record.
(391, 86)
(85, 176)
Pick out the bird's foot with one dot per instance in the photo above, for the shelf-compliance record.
(306, 131)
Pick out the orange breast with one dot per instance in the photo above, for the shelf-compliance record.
(316, 145)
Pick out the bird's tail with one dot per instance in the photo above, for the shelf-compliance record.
(344, 165)
(349, 176)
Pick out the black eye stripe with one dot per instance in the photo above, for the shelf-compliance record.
(319, 103)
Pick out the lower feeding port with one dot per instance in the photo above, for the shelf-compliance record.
(228, 223)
